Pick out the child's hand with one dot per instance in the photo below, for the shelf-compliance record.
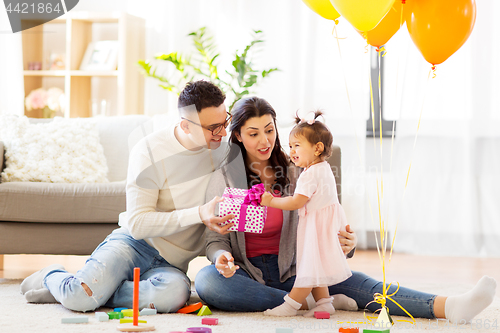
(266, 198)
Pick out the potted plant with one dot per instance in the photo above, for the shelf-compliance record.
(237, 82)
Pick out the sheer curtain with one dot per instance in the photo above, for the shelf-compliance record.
(451, 203)
(11, 68)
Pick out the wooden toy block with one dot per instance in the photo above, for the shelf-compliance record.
(374, 330)
(384, 319)
(209, 321)
(147, 312)
(321, 315)
(115, 315)
(349, 330)
(74, 320)
(101, 316)
(204, 311)
(140, 327)
(128, 320)
(119, 309)
(191, 308)
(284, 330)
(128, 312)
(135, 325)
(199, 330)
(231, 265)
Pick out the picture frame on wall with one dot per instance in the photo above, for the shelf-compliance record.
(100, 56)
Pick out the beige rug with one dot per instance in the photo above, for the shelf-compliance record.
(18, 316)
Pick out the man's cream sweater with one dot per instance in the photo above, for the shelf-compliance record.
(166, 184)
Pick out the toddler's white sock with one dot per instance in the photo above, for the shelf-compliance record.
(311, 303)
(287, 309)
(324, 304)
(467, 306)
(342, 302)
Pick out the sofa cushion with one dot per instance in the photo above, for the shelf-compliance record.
(60, 151)
(59, 202)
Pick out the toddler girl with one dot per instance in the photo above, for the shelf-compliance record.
(320, 260)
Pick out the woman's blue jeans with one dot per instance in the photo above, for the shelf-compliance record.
(109, 274)
(242, 293)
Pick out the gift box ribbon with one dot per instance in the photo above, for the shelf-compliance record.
(253, 198)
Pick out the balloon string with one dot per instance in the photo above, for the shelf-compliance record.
(380, 127)
(411, 160)
(334, 31)
(433, 71)
(382, 51)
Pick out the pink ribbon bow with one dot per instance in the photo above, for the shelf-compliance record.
(254, 195)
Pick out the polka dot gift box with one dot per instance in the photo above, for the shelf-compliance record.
(250, 216)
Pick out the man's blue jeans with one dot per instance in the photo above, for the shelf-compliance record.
(109, 275)
(242, 293)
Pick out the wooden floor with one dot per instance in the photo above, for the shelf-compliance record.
(403, 267)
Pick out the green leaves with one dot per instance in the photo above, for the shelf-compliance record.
(203, 64)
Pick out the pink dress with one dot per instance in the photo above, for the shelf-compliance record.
(320, 259)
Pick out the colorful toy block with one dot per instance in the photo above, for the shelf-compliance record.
(199, 330)
(204, 311)
(191, 308)
(284, 330)
(135, 326)
(147, 312)
(384, 319)
(115, 315)
(119, 309)
(209, 321)
(128, 312)
(74, 320)
(321, 315)
(349, 330)
(128, 320)
(101, 316)
(374, 330)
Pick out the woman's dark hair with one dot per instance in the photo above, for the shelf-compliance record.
(203, 94)
(314, 132)
(255, 107)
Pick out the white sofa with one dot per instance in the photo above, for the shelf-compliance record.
(72, 219)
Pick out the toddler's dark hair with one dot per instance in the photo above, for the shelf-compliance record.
(314, 133)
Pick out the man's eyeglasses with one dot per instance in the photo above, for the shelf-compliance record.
(215, 129)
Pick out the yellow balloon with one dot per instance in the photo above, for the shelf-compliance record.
(364, 15)
(323, 7)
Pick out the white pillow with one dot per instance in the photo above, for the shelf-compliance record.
(59, 151)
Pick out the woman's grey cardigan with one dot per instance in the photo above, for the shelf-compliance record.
(234, 242)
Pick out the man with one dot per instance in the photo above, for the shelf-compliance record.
(165, 222)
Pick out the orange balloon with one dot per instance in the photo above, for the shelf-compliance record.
(440, 27)
(389, 25)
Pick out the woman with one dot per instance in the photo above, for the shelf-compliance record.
(265, 270)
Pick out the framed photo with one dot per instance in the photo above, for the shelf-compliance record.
(100, 56)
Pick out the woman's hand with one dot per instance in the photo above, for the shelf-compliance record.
(225, 265)
(348, 239)
(266, 198)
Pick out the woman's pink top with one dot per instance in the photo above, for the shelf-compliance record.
(268, 242)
